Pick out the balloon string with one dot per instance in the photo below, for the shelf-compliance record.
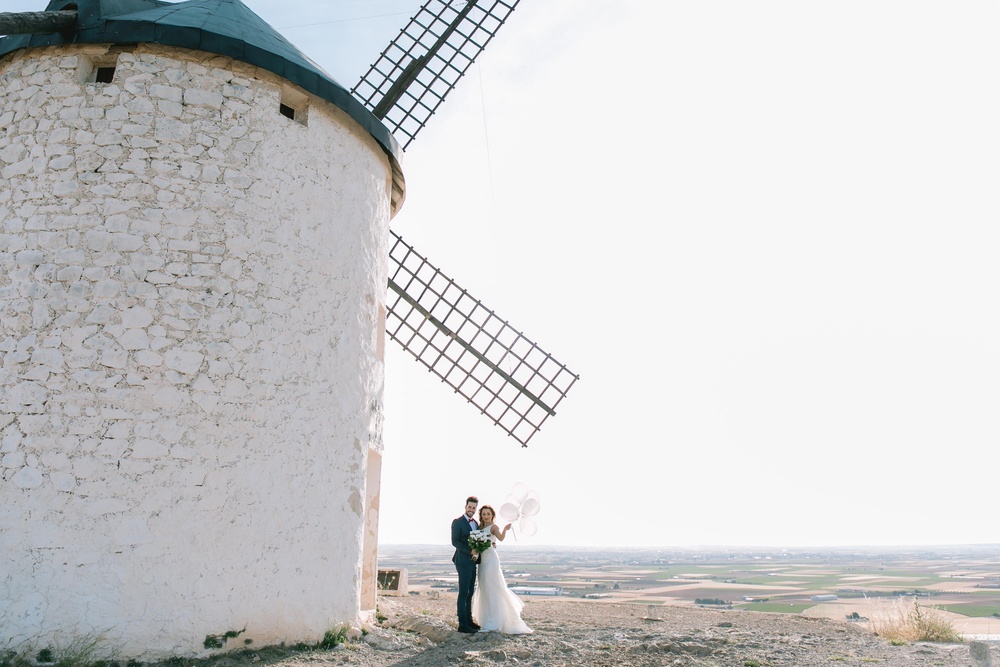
(513, 533)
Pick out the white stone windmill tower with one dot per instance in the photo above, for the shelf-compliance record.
(194, 253)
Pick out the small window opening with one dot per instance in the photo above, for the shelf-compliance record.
(104, 74)
(294, 104)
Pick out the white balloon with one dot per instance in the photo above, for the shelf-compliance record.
(531, 507)
(519, 492)
(527, 526)
(509, 512)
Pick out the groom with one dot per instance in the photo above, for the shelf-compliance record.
(465, 563)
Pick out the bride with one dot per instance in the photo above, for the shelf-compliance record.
(496, 607)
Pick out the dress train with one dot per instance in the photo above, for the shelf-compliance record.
(494, 606)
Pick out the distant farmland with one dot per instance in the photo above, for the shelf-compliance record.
(964, 581)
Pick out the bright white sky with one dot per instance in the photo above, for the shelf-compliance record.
(765, 233)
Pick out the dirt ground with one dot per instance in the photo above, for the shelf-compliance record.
(419, 630)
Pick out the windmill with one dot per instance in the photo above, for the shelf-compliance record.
(494, 366)
(466, 344)
(208, 310)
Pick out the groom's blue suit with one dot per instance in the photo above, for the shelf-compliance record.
(466, 567)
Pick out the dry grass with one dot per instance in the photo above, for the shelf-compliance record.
(81, 652)
(904, 622)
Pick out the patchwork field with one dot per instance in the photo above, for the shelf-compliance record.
(842, 584)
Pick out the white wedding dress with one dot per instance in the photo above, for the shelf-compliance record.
(494, 606)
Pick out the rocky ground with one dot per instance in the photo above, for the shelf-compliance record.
(419, 630)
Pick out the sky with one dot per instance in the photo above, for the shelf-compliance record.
(765, 234)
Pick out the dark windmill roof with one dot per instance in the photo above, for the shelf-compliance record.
(225, 27)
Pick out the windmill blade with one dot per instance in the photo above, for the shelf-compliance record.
(419, 68)
(509, 378)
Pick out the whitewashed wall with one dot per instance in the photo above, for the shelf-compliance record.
(190, 286)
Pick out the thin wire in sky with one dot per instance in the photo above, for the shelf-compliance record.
(356, 18)
(486, 134)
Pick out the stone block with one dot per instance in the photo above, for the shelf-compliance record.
(70, 256)
(134, 339)
(393, 583)
(114, 358)
(199, 97)
(105, 289)
(61, 162)
(169, 129)
(63, 481)
(108, 138)
(183, 362)
(28, 478)
(12, 460)
(29, 257)
(149, 449)
(69, 274)
(980, 654)
(172, 93)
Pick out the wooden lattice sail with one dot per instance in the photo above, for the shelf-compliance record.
(423, 63)
(478, 354)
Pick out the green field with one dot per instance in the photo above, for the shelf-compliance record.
(974, 610)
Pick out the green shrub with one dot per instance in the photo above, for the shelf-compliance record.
(333, 638)
(218, 641)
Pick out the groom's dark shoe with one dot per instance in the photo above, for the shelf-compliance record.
(468, 630)
(475, 626)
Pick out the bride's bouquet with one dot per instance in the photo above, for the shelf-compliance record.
(479, 540)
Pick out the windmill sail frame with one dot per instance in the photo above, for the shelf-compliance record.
(418, 69)
(495, 367)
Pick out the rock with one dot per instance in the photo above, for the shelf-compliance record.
(433, 629)
(494, 655)
(980, 654)
(380, 641)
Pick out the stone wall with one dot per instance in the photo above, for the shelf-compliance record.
(190, 385)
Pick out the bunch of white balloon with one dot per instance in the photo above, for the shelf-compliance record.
(521, 505)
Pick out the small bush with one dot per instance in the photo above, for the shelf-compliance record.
(13, 659)
(218, 641)
(902, 623)
(333, 638)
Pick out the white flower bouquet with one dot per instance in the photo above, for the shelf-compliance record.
(479, 540)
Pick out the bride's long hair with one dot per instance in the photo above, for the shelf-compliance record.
(493, 514)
